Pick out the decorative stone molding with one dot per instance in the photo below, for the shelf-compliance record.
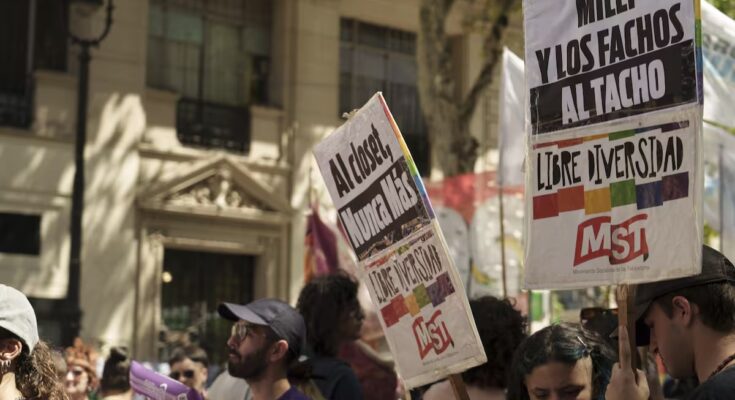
(218, 190)
(219, 187)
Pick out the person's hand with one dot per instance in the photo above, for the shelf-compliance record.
(626, 384)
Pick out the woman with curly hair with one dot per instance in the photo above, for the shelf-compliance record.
(333, 316)
(563, 361)
(26, 366)
(501, 328)
(81, 375)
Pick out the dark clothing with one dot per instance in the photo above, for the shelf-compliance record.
(335, 379)
(718, 387)
(293, 394)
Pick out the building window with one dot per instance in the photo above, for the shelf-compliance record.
(216, 55)
(374, 58)
(20, 234)
(33, 38)
(194, 284)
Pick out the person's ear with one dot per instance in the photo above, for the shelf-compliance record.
(10, 349)
(278, 350)
(683, 310)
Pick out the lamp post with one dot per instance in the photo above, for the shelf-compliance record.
(73, 324)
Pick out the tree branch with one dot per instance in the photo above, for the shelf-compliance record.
(493, 43)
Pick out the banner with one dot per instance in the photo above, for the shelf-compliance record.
(511, 118)
(614, 153)
(383, 207)
(719, 204)
(155, 386)
(718, 44)
(321, 255)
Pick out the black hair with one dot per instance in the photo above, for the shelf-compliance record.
(323, 302)
(115, 376)
(192, 352)
(501, 329)
(565, 343)
(35, 371)
(716, 303)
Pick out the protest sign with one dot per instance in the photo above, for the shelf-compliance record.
(422, 308)
(403, 258)
(614, 151)
(592, 61)
(372, 180)
(155, 386)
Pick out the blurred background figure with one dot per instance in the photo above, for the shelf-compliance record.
(81, 376)
(115, 383)
(57, 355)
(27, 368)
(333, 317)
(501, 329)
(227, 387)
(189, 366)
(561, 361)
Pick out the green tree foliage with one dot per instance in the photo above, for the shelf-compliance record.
(726, 6)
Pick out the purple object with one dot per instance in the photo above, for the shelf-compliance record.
(156, 386)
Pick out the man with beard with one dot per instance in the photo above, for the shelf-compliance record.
(267, 337)
(692, 327)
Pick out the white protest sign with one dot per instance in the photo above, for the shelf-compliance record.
(614, 151)
(383, 206)
(591, 61)
(377, 196)
(422, 308)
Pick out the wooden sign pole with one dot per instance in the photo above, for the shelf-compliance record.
(626, 317)
(458, 387)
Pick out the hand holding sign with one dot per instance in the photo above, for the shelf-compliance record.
(626, 384)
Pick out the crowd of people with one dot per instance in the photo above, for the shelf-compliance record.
(276, 351)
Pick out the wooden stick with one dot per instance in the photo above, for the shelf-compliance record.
(460, 391)
(626, 317)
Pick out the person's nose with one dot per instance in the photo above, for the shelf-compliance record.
(69, 376)
(231, 342)
(653, 344)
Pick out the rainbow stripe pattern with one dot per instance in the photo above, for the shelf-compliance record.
(409, 160)
(420, 297)
(617, 194)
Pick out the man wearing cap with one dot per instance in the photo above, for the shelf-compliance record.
(267, 337)
(691, 325)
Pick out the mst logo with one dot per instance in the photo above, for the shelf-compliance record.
(621, 243)
(431, 335)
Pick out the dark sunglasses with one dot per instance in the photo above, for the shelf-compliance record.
(188, 374)
(587, 314)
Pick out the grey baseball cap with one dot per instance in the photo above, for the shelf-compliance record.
(283, 319)
(716, 268)
(17, 316)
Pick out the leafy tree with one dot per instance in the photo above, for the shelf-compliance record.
(726, 6)
(448, 116)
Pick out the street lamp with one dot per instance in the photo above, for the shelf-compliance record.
(73, 325)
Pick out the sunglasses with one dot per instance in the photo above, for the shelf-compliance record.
(188, 374)
(587, 314)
